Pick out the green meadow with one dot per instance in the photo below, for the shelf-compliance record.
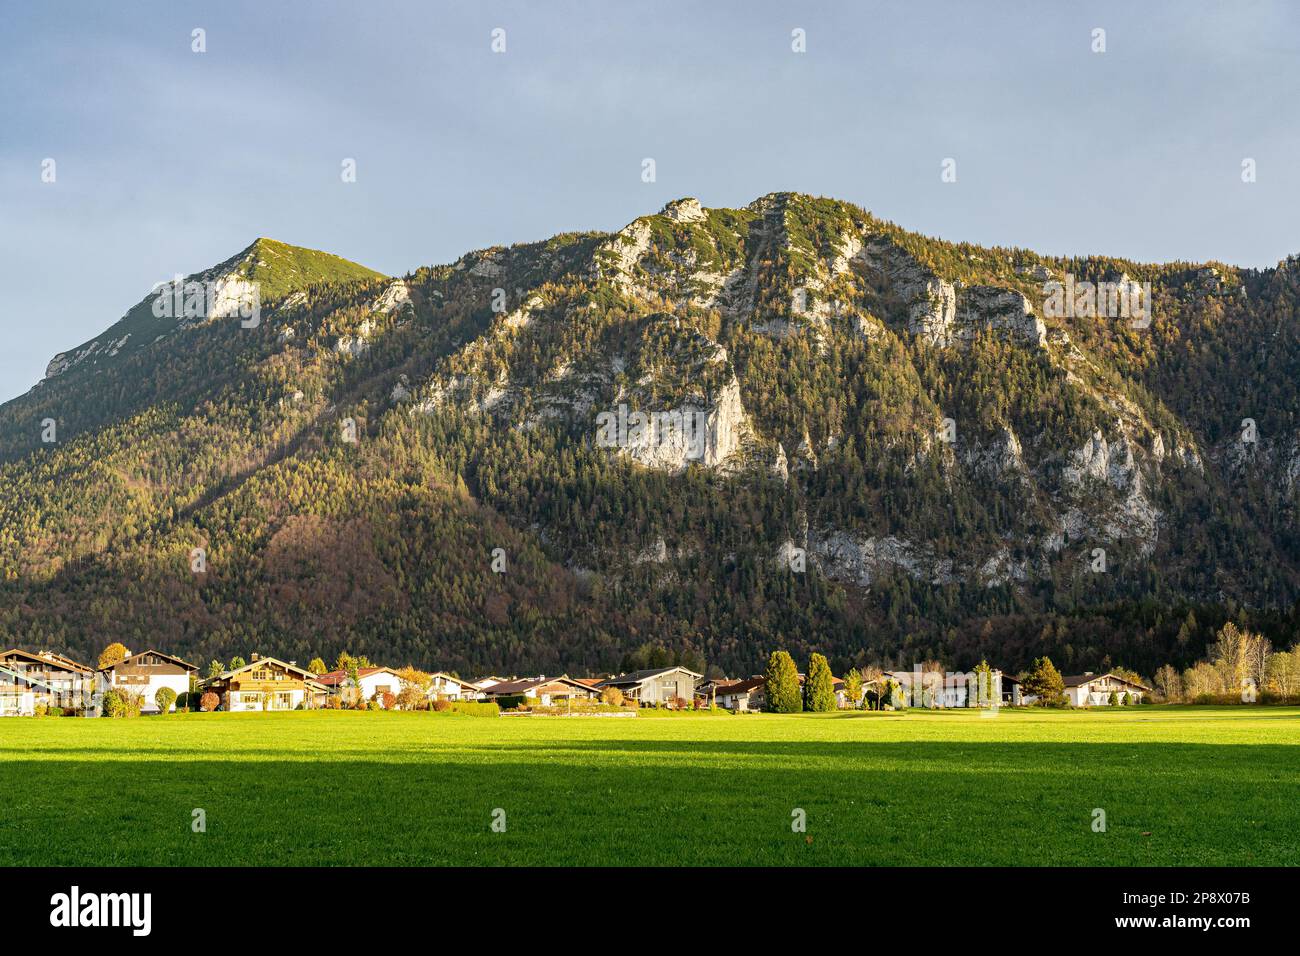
(1179, 786)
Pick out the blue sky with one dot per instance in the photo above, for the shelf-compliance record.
(171, 161)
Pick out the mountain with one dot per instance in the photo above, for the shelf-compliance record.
(275, 269)
(712, 433)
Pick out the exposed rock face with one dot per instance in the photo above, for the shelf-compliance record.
(1002, 457)
(688, 434)
(396, 298)
(685, 210)
(1112, 466)
(355, 344)
(933, 311)
(862, 560)
(942, 316)
(1000, 310)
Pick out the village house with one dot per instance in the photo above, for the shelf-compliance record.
(28, 681)
(372, 683)
(946, 689)
(266, 683)
(1012, 696)
(1094, 690)
(544, 690)
(444, 686)
(742, 696)
(657, 686)
(146, 673)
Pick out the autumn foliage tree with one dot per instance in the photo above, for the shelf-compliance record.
(415, 687)
(115, 653)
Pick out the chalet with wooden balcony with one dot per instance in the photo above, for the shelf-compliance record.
(28, 680)
(266, 683)
(147, 673)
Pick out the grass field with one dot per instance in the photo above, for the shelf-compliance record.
(1179, 786)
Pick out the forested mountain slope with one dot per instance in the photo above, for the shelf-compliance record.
(870, 442)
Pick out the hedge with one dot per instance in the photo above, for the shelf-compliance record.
(473, 708)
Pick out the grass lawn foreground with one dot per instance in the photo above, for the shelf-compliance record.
(1179, 786)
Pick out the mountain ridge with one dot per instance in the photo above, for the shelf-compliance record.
(901, 413)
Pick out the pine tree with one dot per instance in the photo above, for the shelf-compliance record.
(1044, 682)
(819, 691)
(783, 695)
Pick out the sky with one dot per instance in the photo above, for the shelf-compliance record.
(168, 160)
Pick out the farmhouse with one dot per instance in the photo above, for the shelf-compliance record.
(1094, 690)
(372, 683)
(544, 690)
(146, 673)
(660, 685)
(266, 684)
(30, 680)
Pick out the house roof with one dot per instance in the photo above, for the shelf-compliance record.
(47, 657)
(637, 677)
(306, 675)
(1076, 680)
(336, 678)
(742, 686)
(509, 687)
(449, 677)
(131, 657)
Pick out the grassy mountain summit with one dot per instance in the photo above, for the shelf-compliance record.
(276, 269)
(715, 430)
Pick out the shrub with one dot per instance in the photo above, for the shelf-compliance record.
(441, 706)
(122, 703)
(333, 703)
(164, 699)
(55, 712)
(612, 696)
(374, 705)
(209, 702)
(40, 710)
(475, 708)
(389, 701)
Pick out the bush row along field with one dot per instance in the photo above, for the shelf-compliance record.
(1178, 786)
